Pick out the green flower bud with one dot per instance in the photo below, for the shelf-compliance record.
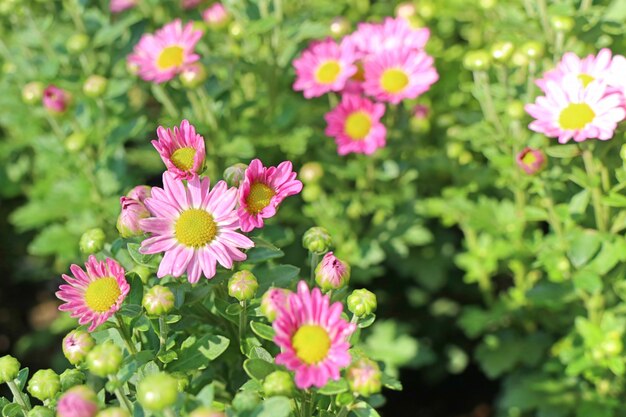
(158, 391)
(364, 377)
(32, 93)
(182, 380)
(113, 412)
(76, 346)
(245, 401)
(158, 300)
(243, 285)
(77, 43)
(406, 10)
(206, 412)
(193, 75)
(362, 302)
(95, 86)
(317, 240)
(339, 26)
(9, 368)
(44, 384)
(311, 172)
(39, 411)
(278, 383)
(75, 142)
(70, 378)
(236, 30)
(501, 52)
(477, 61)
(515, 109)
(563, 24)
(105, 359)
(533, 50)
(92, 241)
(519, 59)
(235, 174)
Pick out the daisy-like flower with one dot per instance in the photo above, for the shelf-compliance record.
(390, 35)
(313, 337)
(399, 74)
(617, 77)
(95, 294)
(195, 226)
(591, 68)
(181, 149)
(571, 111)
(262, 191)
(117, 6)
(355, 125)
(162, 55)
(324, 66)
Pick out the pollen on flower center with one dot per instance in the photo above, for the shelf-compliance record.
(328, 72)
(172, 56)
(102, 294)
(586, 79)
(530, 158)
(311, 343)
(576, 116)
(182, 158)
(394, 80)
(195, 228)
(260, 197)
(358, 125)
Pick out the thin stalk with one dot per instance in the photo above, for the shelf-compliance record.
(125, 333)
(343, 412)
(543, 16)
(196, 106)
(119, 394)
(163, 330)
(585, 4)
(19, 396)
(314, 261)
(164, 98)
(243, 323)
(530, 81)
(558, 46)
(481, 81)
(205, 100)
(596, 193)
(55, 126)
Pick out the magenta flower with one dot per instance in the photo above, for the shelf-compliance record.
(55, 99)
(313, 337)
(216, 15)
(262, 191)
(195, 226)
(355, 125)
(78, 401)
(181, 149)
(530, 160)
(162, 55)
(96, 294)
(117, 6)
(391, 35)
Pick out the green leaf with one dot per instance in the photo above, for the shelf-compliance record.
(22, 377)
(196, 354)
(263, 251)
(140, 258)
(260, 353)
(273, 407)
(109, 33)
(363, 409)
(258, 368)
(391, 383)
(206, 395)
(131, 310)
(584, 246)
(563, 151)
(214, 346)
(579, 202)
(334, 387)
(367, 321)
(12, 410)
(587, 281)
(262, 330)
(275, 276)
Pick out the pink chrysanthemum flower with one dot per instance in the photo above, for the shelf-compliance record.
(96, 294)
(324, 66)
(216, 15)
(162, 55)
(196, 227)
(400, 74)
(617, 77)
(313, 337)
(190, 4)
(530, 160)
(78, 401)
(390, 35)
(571, 111)
(181, 149)
(591, 68)
(355, 125)
(117, 6)
(262, 191)
(55, 99)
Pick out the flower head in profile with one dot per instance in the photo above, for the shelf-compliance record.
(118, 6)
(355, 125)
(181, 149)
(332, 273)
(313, 337)
(399, 74)
(95, 294)
(530, 160)
(162, 55)
(592, 68)
(262, 191)
(570, 110)
(390, 35)
(195, 226)
(324, 66)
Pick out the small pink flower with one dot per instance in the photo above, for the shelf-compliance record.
(96, 294)
(139, 193)
(313, 337)
(117, 6)
(420, 111)
(262, 191)
(128, 220)
(55, 99)
(162, 55)
(324, 66)
(216, 15)
(355, 125)
(181, 149)
(530, 160)
(591, 68)
(332, 273)
(195, 226)
(190, 4)
(78, 401)
(390, 35)
(272, 300)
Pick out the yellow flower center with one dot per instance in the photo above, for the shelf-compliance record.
(394, 80)
(328, 72)
(172, 56)
(102, 294)
(358, 125)
(586, 79)
(529, 159)
(311, 343)
(195, 228)
(182, 158)
(576, 116)
(260, 197)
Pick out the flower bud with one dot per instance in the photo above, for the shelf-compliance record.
(39, 411)
(235, 30)
(533, 50)
(118, 6)
(272, 300)
(139, 193)
(44, 384)
(421, 112)
(92, 241)
(216, 16)
(113, 412)
(515, 109)
(95, 86)
(530, 160)
(362, 302)
(311, 192)
(317, 240)
(278, 383)
(311, 172)
(206, 412)
(128, 220)
(75, 142)
(182, 380)
(105, 359)
(364, 377)
(79, 401)
(234, 174)
(339, 26)
(501, 52)
(55, 99)
(158, 391)
(77, 43)
(243, 285)
(477, 61)
(9, 368)
(70, 378)
(32, 93)
(76, 346)
(332, 273)
(563, 24)
(193, 75)
(158, 300)
(406, 10)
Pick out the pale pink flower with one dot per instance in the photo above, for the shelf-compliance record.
(216, 15)
(591, 68)
(272, 300)
(391, 35)
(181, 149)
(117, 6)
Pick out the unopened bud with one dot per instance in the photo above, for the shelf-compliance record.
(234, 174)
(206, 412)
(278, 383)
(105, 359)
(95, 86)
(243, 285)
(477, 61)
(157, 391)
(113, 412)
(216, 16)
(70, 378)
(77, 43)
(193, 75)
(39, 411)
(79, 401)
(55, 99)
(76, 346)
(128, 221)
(332, 273)
(92, 241)
(272, 300)
(311, 172)
(530, 160)
(364, 377)
(339, 26)
(502, 52)
(32, 93)
(158, 300)
(9, 368)
(44, 384)
(317, 240)
(362, 302)
(140, 193)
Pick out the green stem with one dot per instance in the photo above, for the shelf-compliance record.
(558, 46)
(119, 394)
(343, 412)
(314, 261)
(596, 193)
(585, 4)
(481, 81)
(530, 81)
(243, 323)
(205, 100)
(543, 15)
(164, 98)
(125, 333)
(19, 396)
(163, 330)
(55, 126)
(196, 106)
